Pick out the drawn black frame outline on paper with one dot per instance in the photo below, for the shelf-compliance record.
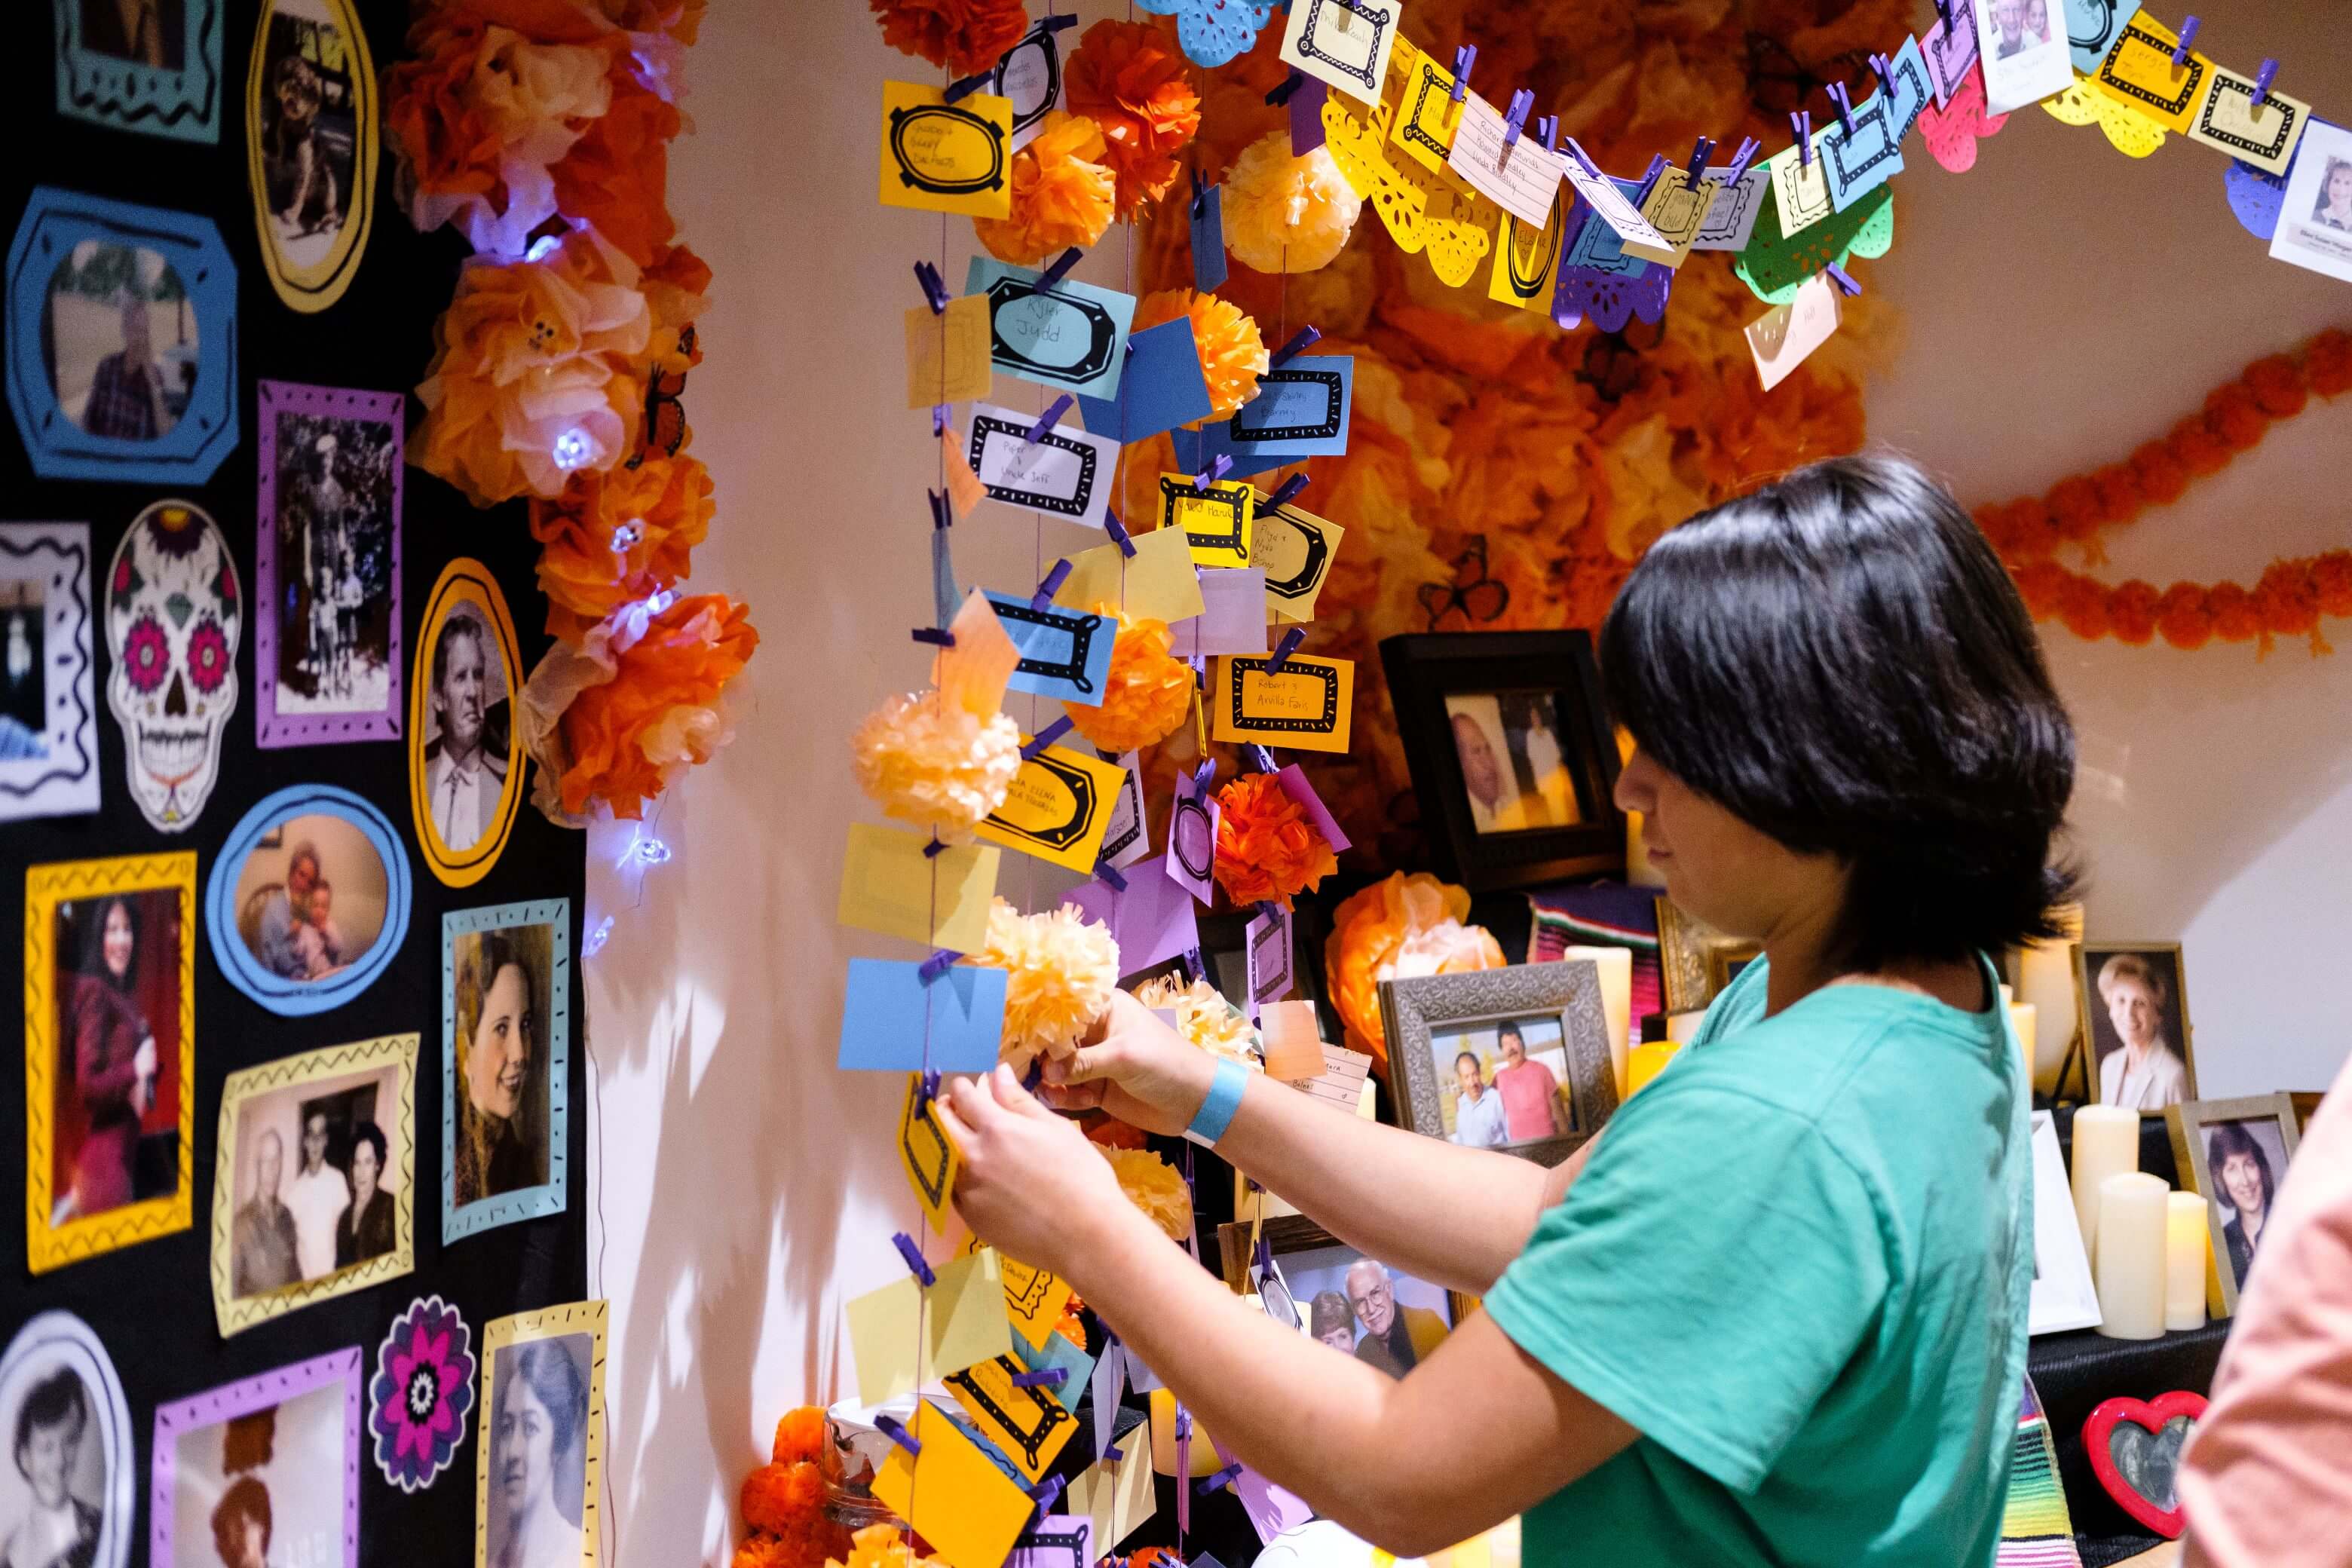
(80, 677)
(1335, 409)
(1522, 288)
(1199, 811)
(1081, 786)
(186, 104)
(2116, 17)
(1409, 128)
(1071, 1548)
(1173, 490)
(1044, 40)
(1128, 789)
(1102, 343)
(1836, 142)
(1319, 551)
(930, 1168)
(2290, 119)
(983, 425)
(1051, 1416)
(1243, 663)
(1959, 33)
(1734, 200)
(1364, 76)
(1276, 934)
(2193, 73)
(902, 120)
(1079, 627)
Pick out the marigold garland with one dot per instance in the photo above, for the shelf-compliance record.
(1124, 77)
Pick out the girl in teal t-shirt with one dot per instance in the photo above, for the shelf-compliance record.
(1775, 1313)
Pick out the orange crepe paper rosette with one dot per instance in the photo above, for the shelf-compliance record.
(1060, 970)
(616, 176)
(1153, 1185)
(618, 536)
(1267, 848)
(1233, 352)
(934, 764)
(966, 37)
(663, 707)
(1062, 195)
(1405, 925)
(1125, 78)
(1146, 694)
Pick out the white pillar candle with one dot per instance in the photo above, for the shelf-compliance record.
(1616, 966)
(2022, 1017)
(2184, 1250)
(2107, 1143)
(2045, 978)
(2131, 1261)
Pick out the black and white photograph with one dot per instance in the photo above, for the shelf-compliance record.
(66, 1498)
(24, 672)
(2136, 1004)
(1514, 769)
(536, 1450)
(2234, 1153)
(120, 340)
(467, 737)
(256, 1471)
(308, 127)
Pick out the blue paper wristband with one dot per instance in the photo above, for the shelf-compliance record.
(1216, 1112)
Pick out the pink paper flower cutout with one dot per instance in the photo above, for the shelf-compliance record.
(423, 1390)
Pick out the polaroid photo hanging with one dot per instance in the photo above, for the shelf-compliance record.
(48, 712)
(2315, 227)
(2022, 44)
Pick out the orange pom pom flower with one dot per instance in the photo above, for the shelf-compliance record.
(1125, 78)
(662, 708)
(1267, 847)
(616, 537)
(1232, 353)
(967, 36)
(1287, 214)
(1062, 195)
(1146, 693)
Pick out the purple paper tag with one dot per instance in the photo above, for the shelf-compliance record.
(1233, 615)
(1271, 1510)
(1302, 793)
(1267, 950)
(1152, 921)
(1306, 117)
(1192, 844)
(1209, 241)
(1110, 1377)
(1058, 1541)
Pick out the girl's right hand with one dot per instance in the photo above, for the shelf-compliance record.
(1135, 1067)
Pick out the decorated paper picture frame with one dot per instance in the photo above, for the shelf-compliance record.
(1068, 338)
(468, 590)
(1058, 808)
(553, 1195)
(1065, 472)
(503, 1338)
(48, 749)
(55, 1237)
(1064, 654)
(338, 416)
(309, 1381)
(99, 80)
(1029, 78)
(120, 255)
(267, 948)
(1305, 705)
(255, 1104)
(297, 54)
(56, 1341)
(1344, 43)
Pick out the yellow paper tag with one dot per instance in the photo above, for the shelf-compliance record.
(2227, 121)
(1677, 208)
(1028, 1426)
(1117, 1494)
(973, 673)
(948, 353)
(1527, 261)
(969, 1510)
(1801, 188)
(1428, 118)
(1058, 807)
(927, 1155)
(1306, 706)
(902, 1336)
(964, 490)
(1034, 1299)
(1215, 521)
(945, 157)
(2139, 72)
(1158, 581)
(888, 885)
(1294, 549)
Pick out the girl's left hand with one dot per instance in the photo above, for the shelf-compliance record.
(1031, 1184)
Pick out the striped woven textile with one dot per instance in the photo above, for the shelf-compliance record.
(1602, 914)
(2036, 1529)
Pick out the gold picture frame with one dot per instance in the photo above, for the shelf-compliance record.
(2099, 1039)
(2189, 1122)
(1696, 961)
(503, 1338)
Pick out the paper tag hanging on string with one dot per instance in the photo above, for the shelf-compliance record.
(974, 672)
(1527, 258)
(1192, 842)
(2227, 121)
(1163, 388)
(1209, 241)
(1064, 654)
(1295, 547)
(925, 1154)
(1158, 581)
(951, 1495)
(1057, 1354)
(1731, 216)
(1057, 808)
(1058, 1541)
(1949, 47)
(964, 490)
(1427, 116)
(1126, 840)
(946, 353)
(1066, 472)
(888, 885)
(1215, 519)
(1306, 706)
(1301, 410)
(1608, 203)
(945, 157)
(902, 1337)
(1232, 619)
(1345, 44)
(2138, 72)
(1293, 782)
(1071, 337)
(1028, 1426)
(1678, 209)
(1110, 1378)
(1029, 77)
(1783, 337)
(1267, 946)
(1152, 921)
(1521, 178)
(891, 1016)
(2021, 64)
(1801, 189)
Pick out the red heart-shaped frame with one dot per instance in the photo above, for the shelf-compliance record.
(2098, 1441)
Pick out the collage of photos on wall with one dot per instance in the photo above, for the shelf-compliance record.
(261, 787)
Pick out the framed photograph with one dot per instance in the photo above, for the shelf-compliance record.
(109, 1054)
(1696, 961)
(506, 1022)
(2064, 1296)
(316, 1192)
(149, 65)
(48, 712)
(309, 899)
(2135, 1003)
(464, 748)
(265, 1470)
(74, 1486)
(310, 147)
(2234, 1153)
(1511, 754)
(2315, 227)
(1376, 1314)
(542, 1445)
(1516, 1059)
(328, 653)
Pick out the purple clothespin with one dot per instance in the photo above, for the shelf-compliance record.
(1649, 179)
(1119, 534)
(1046, 737)
(1111, 875)
(1051, 585)
(1290, 84)
(1269, 908)
(1210, 1486)
(1056, 24)
(1576, 151)
(1749, 148)
(1219, 466)
(939, 963)
(1284, 649)
(914, 1257)
(1700, 149)
(928, 1090)
(935, 848)
(1843, 104)
(1548, 132)
(939, 420)
(1199, 192)
(1202, 777)
(1283, 493)
(1113, 1452)
(960, 91)
(1523, 103)
(1944, 12)
(896, 1434)
(1051, 417)
(1043, 1377)
(1843, 280)
(1304, 339)
(1047, 1490)
(1464, 58)
(1258, 757)
(2263, 80)
(942, 515)
(2187, 37)
(1800, 123)
(934, 288)
(1060, 269)
(937, 636)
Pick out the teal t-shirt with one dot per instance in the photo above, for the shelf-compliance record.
(1799, 1264)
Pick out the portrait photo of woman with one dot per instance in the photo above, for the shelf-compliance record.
(2247, 1160)
(117, 1077)
(368, 1228)
(2334, 208)
(501, 1066)
(2139, 1026)
(536, 1453)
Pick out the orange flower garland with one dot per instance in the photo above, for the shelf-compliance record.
(662, 707)
(1061, 194)
(784, 1501)
(1125, 78)
(1267, 848)
(2287, 601)
(619, 536)
(967, 36)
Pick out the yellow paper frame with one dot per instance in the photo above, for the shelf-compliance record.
(464, 581)
(316, 286)
(502, 1335)
(45, 887)
(1234, 722)
(235, 1313)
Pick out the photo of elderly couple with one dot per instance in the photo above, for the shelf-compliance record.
(1352, 1304)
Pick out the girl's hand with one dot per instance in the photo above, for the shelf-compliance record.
(1136, 1067)
(1031, 1184)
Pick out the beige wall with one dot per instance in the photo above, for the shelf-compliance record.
(2063, 302)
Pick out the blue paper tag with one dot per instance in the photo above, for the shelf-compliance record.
(1209, 242)
(1058, 1352)
(1072, 337)
(1162, 387)
(947, 598)
(1300, 410)
(888, 1010)
(1064, 654)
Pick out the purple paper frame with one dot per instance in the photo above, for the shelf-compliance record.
(235, 1399)
(271, 727)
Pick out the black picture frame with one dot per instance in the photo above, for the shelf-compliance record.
(1424, 669)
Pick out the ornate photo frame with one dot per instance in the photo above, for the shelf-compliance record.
(1419, 1013)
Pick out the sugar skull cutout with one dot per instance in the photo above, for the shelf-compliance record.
(174, 613)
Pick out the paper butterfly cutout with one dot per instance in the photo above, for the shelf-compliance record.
(1474, 596)
(1609, 299)
(1954, 130)
(1775, 266)
(2130, 132)
(1212, 32)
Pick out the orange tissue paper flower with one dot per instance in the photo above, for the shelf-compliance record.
(1060, 969)
(1126, 79)
(802, 1436)
(936, 763)
(1267, 847)
(2331, 575)
(1286, 213)
(967, 36)
(1062, 195)
(664, 707)
(1402, 926)
(1232, 353)
(616, 176)
(1146, 693)
(778, 1497)
(1152, 1185)
(616, 537)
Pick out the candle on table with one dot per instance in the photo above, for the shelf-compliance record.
(2186, 1242)
(1616, 966)
(2107, 1143)
(2045, 978)
(2131, 1260)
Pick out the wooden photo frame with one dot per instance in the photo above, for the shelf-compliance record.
(1511, 754)
(2264, 1125)
(1696, 961)
(2149, 977)
(1556, 1011)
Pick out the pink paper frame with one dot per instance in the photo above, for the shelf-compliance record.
(235, 1399)
(271, 727)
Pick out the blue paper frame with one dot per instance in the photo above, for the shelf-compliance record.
(106, 89)
(55, 222)
(302, 998)
(553, 1195)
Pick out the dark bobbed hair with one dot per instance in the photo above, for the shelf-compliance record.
(554, 1378)
(93, 942)
(1329, 1312)
(55, 1400)
(1840, 660)
(369, 1133)
(2229, 1139)
(245, 1499)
